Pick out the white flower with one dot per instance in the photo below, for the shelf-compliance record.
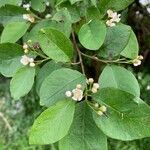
(77, 94)
(47, 3)
(25, 60)
(48, 16)
(90, 80)
(100, 113)
(79, 86)
(29, 17)
(94, 90)
(144, 2)
(96, 85)
(27, 6)
(25, 46)
(26, 51)
(110, 23)
(103, 108)
(32, 64)
(137, 61)
(114, 18)
(68, 93)
(140, 57)
(96, 105)
(148, 87)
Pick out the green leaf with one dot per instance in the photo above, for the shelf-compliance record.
(132, 48)
(126, 118)
(14, 31)
(10, 13)
(9, 51)
(92, 34)
(45, 71)
(38, 5)
(10, 55)
(93, 13)
(83, 134)
(56, 45)
(120, 78)
(115, 5)
(53, 124)
(9, 67)
(11, 2)
(57, 83)
(22, 82)
(117, 38)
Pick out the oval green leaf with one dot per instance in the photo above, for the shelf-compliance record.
(119, 78)
(126, 118)
(92, 34)
(83, 133)
(56, 45)
(53, 124)
(22, 82)
(57, 83)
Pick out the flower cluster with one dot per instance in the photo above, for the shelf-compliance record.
(29, 18)
(100, 109)
(94, 86)
(113, 18)
(138, 60)
(25, 60)
(76, 94)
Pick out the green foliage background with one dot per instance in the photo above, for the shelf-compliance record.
(21, 114)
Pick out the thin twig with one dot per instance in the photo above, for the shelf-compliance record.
(6, 121)
(105, 61)
(79, 52)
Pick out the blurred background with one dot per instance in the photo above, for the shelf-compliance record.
(16, 117)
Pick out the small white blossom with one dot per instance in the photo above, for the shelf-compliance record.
(148, 87)
(94, 90)
(100, 113)
(110, 23)
(103, 108)
(26, 51)
(90, 80)
(68, 93)
(96, 105)
(48, 16)
(79, 86)
(25, 46)
(32, 64)
(144, 2)
(77, 94)
(25, 60)
(47, 3)
(29, 17)
(96, 85)
(137, 61)
(113, 18)
(27, 6)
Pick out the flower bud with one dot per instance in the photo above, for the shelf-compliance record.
(68, 93)
(32, 64)
(91, 80)
(79, 86)
(96, 85)
(96, 105)
(94, 90)
(100, 113)
(103, 108)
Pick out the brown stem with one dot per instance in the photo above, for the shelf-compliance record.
(79, 52)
